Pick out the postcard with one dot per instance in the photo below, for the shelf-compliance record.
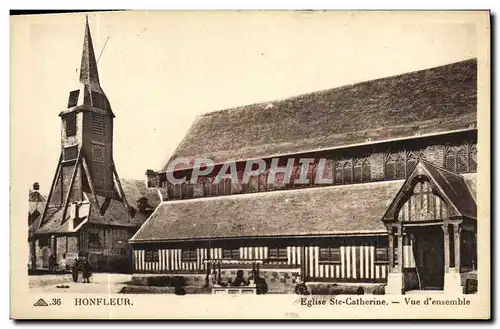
(250, 165)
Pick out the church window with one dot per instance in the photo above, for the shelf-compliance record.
(461, 158)
(338, 173)
(70, 123)
(366, 171)
(262, 181)
(98, 124)
(344, 171)
(400, 165)
(98, 153)
(73, 98)
(362, 170)
(189, 190)
(347, 172)
(412, 160)
(70, 153)
(253, 184)
(473, 159)
(207, 189)
(358, 167)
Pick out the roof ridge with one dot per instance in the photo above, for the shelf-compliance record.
(359, 83)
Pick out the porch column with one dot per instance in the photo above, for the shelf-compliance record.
(452, 280)
(446, 239)
(400, 249)
(395, 280)
(456, 241)
(391, 250)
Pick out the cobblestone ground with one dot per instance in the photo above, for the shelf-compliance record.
(99, 283)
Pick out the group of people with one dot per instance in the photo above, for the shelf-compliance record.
(82, 264)
(240, 280)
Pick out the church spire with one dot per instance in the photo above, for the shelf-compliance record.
(88, 67)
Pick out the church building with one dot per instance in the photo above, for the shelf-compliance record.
(401, 157)
(89, 210)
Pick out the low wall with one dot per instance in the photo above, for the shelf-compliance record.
(278, 282)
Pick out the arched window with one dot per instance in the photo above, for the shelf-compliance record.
(223, 186)
(473, 158)
(395, 166)
(311, 174)
(253, 184)
(362, 170)
(344, 171)
(400, 165)
(390, 167)
(295, 178)
(347, 171)
(207, 186)
(413, 158)
(263, 181)
(366, 170)
(461, 158)
(339, 172)
(358, 171)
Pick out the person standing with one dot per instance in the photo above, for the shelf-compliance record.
(86, 270)
(74, 269)
(62, 263)
(52, 262)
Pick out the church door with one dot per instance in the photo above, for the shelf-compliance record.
(429, 252)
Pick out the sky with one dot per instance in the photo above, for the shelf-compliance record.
(162, 69)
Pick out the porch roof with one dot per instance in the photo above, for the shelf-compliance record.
(454, 188)
(335, 210)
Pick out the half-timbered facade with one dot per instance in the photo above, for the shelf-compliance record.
(395, 152)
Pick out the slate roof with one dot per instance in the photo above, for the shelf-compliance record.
(115, 215)
(346, 209)
(428, 101)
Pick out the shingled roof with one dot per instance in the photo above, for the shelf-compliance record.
(428, 101)
(455, 188)
(458, 191)
(116, 213)
(347, 209)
